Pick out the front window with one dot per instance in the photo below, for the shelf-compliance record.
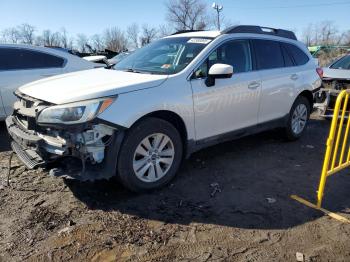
(235, 53)
(166, 56)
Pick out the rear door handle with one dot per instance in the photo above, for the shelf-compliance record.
(254, 85)
(294, 77)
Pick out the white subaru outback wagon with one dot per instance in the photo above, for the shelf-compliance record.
(177, 95)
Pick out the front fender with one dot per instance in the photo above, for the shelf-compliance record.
(130, 107)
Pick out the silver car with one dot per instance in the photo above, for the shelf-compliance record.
(21, 64)
(165, 101)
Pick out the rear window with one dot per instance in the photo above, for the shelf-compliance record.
(343, 63)
(268, 54)
(300, 58)
(19, 59)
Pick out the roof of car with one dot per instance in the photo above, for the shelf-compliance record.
(56, 51)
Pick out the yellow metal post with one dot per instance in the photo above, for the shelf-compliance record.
(345, 136)
(340, 129)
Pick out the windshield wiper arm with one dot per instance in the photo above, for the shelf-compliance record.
(131, 70)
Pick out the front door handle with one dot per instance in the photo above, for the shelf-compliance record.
(254, 85)
(294, 77)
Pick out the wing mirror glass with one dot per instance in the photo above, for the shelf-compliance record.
(218, 71)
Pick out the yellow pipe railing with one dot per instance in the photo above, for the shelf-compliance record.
(331, 164)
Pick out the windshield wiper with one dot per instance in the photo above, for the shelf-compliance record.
(131, 70)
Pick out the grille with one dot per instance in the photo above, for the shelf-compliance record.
(25, 111)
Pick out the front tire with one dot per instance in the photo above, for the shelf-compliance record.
(298, 118)
(150, 155)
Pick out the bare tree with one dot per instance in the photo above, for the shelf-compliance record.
(187, 14)
(96, 42)
(133, 31)
(26, 33)
(11, 35)
(346, 38)
(49, 38)
(328, 32)
(322, 33)
(23, 34)
(308, 34)
(82, 41)
(65, 42)
(115, 39)
(148, 34)
(164, 30)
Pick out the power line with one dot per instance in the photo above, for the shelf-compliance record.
(292, 6)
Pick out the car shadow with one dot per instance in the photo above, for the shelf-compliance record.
(245, 183)
(4, 138)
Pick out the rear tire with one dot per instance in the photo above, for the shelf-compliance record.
(298, 119)
(150, 155)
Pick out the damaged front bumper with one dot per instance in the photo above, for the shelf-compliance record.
(95, 145)
(325, 98)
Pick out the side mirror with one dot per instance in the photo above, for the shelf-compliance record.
(218, 71)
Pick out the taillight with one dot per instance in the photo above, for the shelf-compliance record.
(319, 72)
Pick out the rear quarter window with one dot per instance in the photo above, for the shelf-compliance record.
(288, 60)
(299, 57)
(20, 59)
(268, 54)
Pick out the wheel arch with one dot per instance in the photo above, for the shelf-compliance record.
(174, 119)
(308, 95)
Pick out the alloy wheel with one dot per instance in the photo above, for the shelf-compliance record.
(299, 119)
(153, 157)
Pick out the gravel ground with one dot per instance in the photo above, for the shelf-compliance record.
(229, 202)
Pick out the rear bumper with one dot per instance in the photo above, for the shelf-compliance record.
(326, 96)
(324, 101)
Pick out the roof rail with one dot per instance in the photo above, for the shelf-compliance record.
(253, 29)
(186, 31)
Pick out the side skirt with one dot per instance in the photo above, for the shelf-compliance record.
(194, 146)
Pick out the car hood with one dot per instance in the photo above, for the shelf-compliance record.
(89, 84)
(336, 73)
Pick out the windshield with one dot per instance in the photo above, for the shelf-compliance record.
(343, 63)
(116, 59)
(165, 56)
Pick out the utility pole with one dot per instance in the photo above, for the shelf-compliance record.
(218, 9)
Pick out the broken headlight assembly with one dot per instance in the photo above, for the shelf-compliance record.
(74, 113)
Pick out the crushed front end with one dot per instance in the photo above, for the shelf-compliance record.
(326, 97)
(93, 145)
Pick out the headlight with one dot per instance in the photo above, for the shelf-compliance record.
(74, 113)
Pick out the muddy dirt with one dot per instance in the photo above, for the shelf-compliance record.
(228, 203)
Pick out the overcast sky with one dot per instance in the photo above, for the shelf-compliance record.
(93, 16)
